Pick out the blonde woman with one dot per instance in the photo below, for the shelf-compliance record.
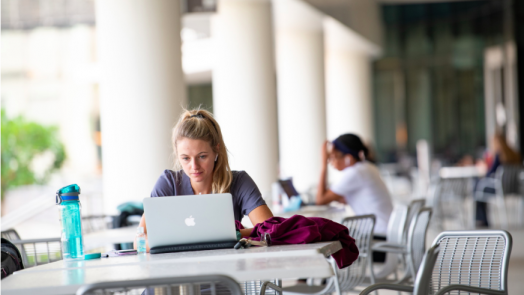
(202, 167)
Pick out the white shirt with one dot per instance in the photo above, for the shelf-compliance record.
(366, 193)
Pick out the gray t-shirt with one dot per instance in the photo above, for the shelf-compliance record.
(246, 195)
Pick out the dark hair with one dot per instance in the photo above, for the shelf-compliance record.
(351, 144)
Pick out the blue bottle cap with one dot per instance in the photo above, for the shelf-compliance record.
(67, 193)
(92, 256)
(72, 188)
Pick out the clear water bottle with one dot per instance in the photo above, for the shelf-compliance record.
(71, 222)
(140, 240)
(65, 245)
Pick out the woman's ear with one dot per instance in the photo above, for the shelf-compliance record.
(347, 160)
(362, 155)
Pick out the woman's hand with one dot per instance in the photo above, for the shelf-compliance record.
(142, 224)
(258, 215)
(325, 153)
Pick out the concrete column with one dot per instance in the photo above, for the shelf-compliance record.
(244, 88)
(301, 90)
(141, 93)
(348, 81)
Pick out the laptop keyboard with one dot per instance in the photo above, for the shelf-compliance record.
(192, 247)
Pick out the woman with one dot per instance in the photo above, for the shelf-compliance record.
(360, 185)
(202, 167)
(504, 155)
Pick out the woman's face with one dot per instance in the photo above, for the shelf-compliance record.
(337, 160)
(197, 159)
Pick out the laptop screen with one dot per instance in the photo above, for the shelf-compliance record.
(288, 187)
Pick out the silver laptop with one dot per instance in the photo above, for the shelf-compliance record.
(191, 221)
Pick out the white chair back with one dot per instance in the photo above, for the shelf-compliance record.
(395, 234)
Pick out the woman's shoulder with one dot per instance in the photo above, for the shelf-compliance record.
(172, 176)
(238, 176)
(241, 180)
(168, 184)
(370, 168)
(245, 191)
(360, 170)
(238, 173)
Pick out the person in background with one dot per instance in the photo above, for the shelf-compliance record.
(466, 161)
(202, 167)
(504, 155)
(360, 186)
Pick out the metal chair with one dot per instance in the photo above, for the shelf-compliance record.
(506, 182)
(361, 229)
(414, 248)
(255, 287)
(39, 251)
(413, 208)
(398, 226)
(395, 234)
(192, 285)
(462, 262)
(448, 198)
(10, 235)
(401, 237)
(421, 283)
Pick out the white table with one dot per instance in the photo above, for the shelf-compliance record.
(329, 212)
(461, 172)
(264, 263)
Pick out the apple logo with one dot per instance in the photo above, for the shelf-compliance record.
(190, 221)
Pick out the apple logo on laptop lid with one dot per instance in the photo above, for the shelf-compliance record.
(190, 221)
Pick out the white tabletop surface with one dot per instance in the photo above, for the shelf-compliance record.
(329, 212)
(461, 172)
(257, 263)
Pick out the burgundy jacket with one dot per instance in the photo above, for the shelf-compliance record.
(303, 230)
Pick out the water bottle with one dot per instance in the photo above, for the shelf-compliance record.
(140, 240)
(71, 222)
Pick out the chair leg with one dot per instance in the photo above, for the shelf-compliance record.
(464, 213)
(266, 284)
(503, 214)
(370, 266)
(412, 268)
(335, 276)
(520, 211)
(475, 205)
(407, 272)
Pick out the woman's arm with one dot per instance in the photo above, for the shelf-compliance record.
(142, 224)
(324, 195)
(260, 214)
(257, 215)
(494, 166)
(328, 197)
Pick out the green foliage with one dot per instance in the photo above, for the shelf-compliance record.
(22, 141)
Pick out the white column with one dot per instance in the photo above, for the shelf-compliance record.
(141, 93)
(301, 90)
(244, 90)
(348, 81)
